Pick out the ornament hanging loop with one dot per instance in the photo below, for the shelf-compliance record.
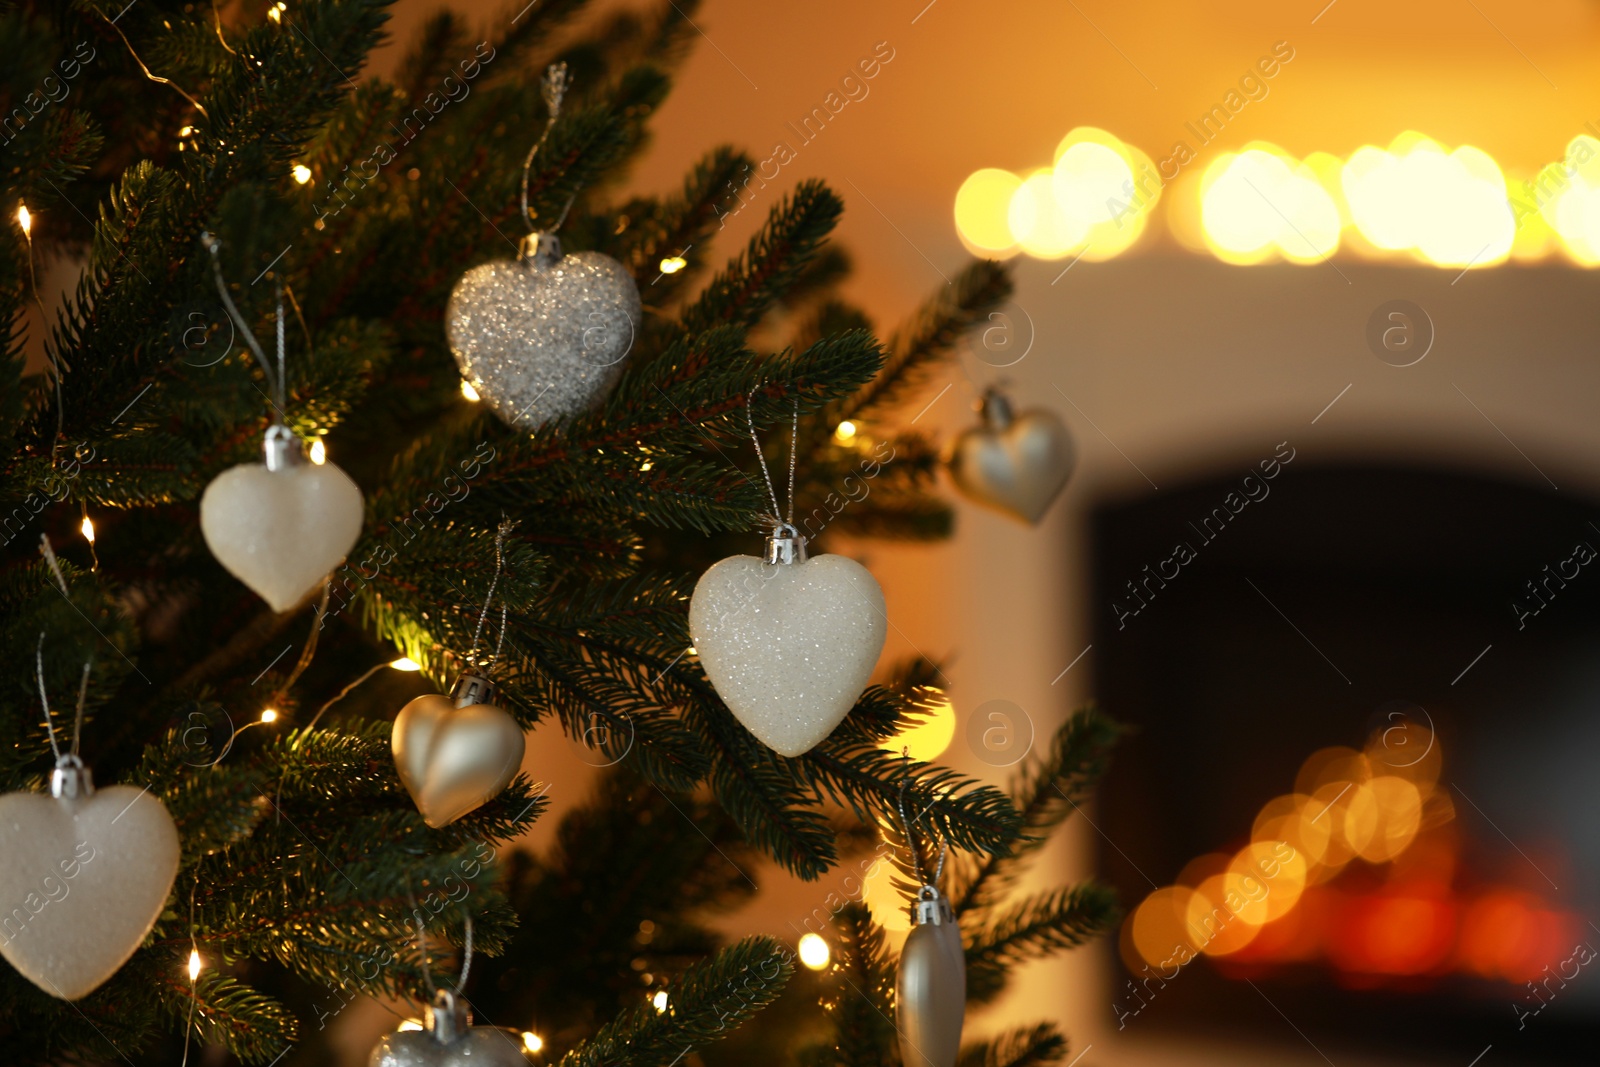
(541, 250)
(995, 409)
(553, 87)
(784, 544)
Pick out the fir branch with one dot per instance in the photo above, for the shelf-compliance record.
(708, 1001)
(1046, 793)
(861, 1002)
(1036, 927)
(1035, 1046)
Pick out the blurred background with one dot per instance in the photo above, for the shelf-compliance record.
(1351, 233)
(1348, 242)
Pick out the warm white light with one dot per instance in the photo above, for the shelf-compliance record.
(660, 1001)
(692, 652)
(469, 392)
(1261, 204)
(1039, 224)
(814, 952)
(930, 737)
(406, 663)
(673, 264)
(410, 1024)
(1448, 208)
(983, 206)
(269, 715)
(845, 431)
(532, 1041)
(25, 220)
(319, 452)
(88, 529)
(646, 465)
(194, 964)
(275, 12)
(302, 173)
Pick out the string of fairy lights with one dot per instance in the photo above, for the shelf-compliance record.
(1416, 200)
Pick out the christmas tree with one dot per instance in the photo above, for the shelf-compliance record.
(237, 188)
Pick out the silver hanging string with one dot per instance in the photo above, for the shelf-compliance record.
(44, 699)
(83, 694)
(911, 838)
(778, 518)
(504, 530)
(422, 948)
(214, 246)
(282, 375)
(553, 87)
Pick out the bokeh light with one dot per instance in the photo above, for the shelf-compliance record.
(983, 206)
(1262, 204)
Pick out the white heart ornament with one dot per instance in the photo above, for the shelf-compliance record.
(83, 880)
(281, 531)
(453, 758)
(1016, 464)
(544, 336)
(789, 647)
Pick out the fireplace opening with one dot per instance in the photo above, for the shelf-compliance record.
(1358, 805)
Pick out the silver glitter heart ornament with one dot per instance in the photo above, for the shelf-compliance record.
(450, 1040)
(84, 876)
(931, 985)
(543, 336)
(788, 642)
(455, 753)
(1014, 463)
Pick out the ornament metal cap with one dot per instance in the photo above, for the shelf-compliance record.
(785, 545)
(996, 409)
(540, 250)
(71, 780)
(471, 689)
(447, 1017)
(282, 448)
(931, 908)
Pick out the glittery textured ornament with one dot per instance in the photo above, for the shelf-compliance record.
(544, 336)
(455, 753)
(1015, 464)
(789, 646)
(281, 526)
(450, 1040)
(931, 985)
(84, 877)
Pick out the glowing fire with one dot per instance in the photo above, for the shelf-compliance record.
(1357, 869)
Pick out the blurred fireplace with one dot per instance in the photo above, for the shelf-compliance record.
(1361, 797)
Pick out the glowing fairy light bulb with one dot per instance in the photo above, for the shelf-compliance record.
(845, 432)
(532, 1041)
(673, 264)
(660, 1001)
(319, 452)
(469, 392)
(406, 663)
(194, 964)
(88, 529)
(269, 715)
(25, 220)
(814, 952)
(302, 173)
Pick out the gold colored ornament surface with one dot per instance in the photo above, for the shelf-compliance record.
(454, 760)
(790, 646)
(281, 532)
(82, 881)
(1019, 469)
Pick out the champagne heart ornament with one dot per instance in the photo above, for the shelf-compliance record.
(544, 336)
(788, 641)
(282, 525)
(1014, 463)
(84, 877)
(455, 753)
